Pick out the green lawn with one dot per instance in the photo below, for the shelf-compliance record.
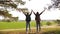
(14, 25)
(18, 25)
(22, 24)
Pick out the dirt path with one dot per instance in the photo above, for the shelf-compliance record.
(31, 28)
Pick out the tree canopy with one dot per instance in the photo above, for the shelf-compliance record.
(6, 4)
(55, 4)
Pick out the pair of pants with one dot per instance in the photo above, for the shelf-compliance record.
(38, 26)
(27, 25)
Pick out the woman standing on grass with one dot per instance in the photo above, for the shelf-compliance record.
(28, 19)
(38, 19)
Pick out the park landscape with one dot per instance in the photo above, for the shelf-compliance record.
(11, 25)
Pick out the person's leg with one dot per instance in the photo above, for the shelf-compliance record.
(26, 26)
(29, 26)
(37, 26)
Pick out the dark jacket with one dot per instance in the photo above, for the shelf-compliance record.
(28, 18)
(37, 17)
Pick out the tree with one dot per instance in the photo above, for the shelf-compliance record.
(5, 14)
(55, 4)
(9, 4)
(58, 22)
(14, 19)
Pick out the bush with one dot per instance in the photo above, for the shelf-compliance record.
(48, 23)
(6, 20)
(58, 22)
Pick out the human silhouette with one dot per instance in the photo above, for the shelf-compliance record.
(28, 19)
(38, 19)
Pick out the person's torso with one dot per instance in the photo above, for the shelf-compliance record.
(37, 17)
(28, 18)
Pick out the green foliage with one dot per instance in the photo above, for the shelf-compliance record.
(22, 3)
(58, 21)
(9, 4)
(5, 13)
(48, 23)
(12, 5)
(6, 20)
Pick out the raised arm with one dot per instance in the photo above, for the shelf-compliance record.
(33, 11)
(42, 11)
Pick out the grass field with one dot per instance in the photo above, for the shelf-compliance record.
(14, 25)
(18, 25)
(22, 24)
(55, 30)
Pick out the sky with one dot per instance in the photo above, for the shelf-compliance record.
(37, 5)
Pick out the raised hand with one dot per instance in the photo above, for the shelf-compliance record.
(43, 10)
(33, 11)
